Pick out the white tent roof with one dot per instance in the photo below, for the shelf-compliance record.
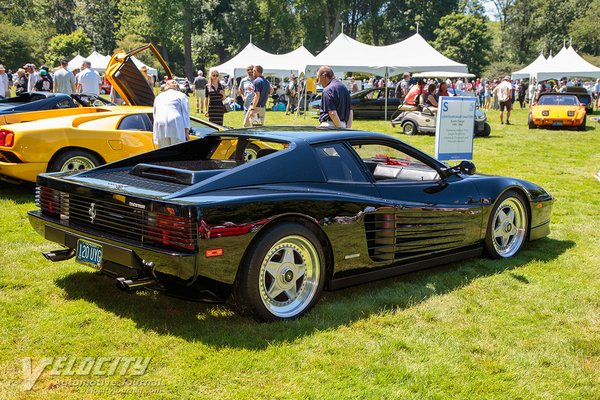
(75, 63)
(567, 63)
(411, 55)
(273, 64)
(532, 68)
(443, 74)
(99, 62)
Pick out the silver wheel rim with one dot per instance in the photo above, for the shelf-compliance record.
(250, 154)
(508, 228)
(289, 276)
(77, 163)
(409, 129)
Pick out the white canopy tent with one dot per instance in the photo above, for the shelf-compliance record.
(99, 62)
(411, 55)
(273, 64)
(567, 63)
(532, 68)
(443, 74)
(75, 63)
(139, 64)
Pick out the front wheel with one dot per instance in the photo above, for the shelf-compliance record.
(409, 128)
(507, 227)
(283, 275)
(74, 160)
(487, 129)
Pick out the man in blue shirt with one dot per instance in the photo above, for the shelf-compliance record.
(262, 90)
(336, 110)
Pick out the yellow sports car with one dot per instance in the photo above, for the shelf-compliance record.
(557, 109)
(78, 138)
(79, 142)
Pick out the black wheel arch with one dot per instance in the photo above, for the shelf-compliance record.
(308, 222)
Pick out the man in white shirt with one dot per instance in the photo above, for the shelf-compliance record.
(4, 87)
(504, 93)
(64, 80)
(32, 77)
(88, 81)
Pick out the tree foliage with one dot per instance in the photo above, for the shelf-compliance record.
(68, 46)
(464, 38)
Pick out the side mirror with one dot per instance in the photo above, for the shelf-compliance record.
(467, 168)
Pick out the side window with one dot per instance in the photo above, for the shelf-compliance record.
(63, 104)
(388, 163)
(199, 129)
(338, 163)
(135, 122)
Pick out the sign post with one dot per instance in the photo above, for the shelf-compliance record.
(455, 128)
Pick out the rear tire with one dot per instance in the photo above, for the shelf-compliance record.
(283, 275)
(508, 226)
(409, 128)
(74, 160)
(583, 124)
(532, 125)
(487, 129)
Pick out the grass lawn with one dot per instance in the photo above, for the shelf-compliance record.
(523, 328)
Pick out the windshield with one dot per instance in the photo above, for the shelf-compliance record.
(558, 100)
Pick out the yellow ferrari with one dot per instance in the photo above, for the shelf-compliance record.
(79, 138)
(558, 110)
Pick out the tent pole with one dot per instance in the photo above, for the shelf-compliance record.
(386, 95)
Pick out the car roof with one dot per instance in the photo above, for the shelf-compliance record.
(308, 134)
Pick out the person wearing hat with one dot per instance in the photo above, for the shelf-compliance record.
(504, 91)
(44, 84)
(64, 80)
(4, 86)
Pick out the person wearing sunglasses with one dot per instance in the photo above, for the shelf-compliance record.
(215, 94)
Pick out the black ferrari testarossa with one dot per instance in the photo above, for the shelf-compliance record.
(313, 209)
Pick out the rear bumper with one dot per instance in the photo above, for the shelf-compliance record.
(548, 121)
(119, 258)
(22, 171)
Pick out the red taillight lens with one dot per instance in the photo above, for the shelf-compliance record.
(170, 231)
(7, 138)
(48, 200)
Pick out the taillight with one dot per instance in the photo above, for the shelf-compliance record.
(170, 231)
(570, 113)
(7, 138)
(545, 113)
(48, 200)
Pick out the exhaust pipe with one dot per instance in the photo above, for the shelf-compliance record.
(59, 255)
(131, 285)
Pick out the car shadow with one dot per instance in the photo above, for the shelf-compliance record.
(216, 325)
(20, 193)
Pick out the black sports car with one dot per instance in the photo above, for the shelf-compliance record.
(315, 209)
(370, 103)
(38, 101)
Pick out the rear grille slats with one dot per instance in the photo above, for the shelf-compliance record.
(409, 233)
(133, 224)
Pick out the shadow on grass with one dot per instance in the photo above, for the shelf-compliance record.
(19, 193)
(216, 325)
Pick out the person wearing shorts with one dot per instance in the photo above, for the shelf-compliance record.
(504, 92)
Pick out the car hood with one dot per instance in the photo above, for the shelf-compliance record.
(128, 80)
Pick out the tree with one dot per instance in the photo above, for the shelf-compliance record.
(584, 30)
(99, 21)
(17, 46)
(67, 46)
(464, 38)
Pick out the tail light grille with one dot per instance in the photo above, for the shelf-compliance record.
(134, 224)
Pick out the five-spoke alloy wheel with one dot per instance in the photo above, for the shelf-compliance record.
(507, 228)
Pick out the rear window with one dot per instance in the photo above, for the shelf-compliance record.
(558, 100)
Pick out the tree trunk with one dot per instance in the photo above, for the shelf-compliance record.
(187, 40)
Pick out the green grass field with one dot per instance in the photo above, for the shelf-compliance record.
(523, 328)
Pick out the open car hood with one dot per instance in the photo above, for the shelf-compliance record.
(128, 80)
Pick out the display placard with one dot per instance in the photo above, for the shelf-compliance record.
(455, 128)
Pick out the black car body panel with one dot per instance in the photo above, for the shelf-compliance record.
(215, 211)
(39, 101)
